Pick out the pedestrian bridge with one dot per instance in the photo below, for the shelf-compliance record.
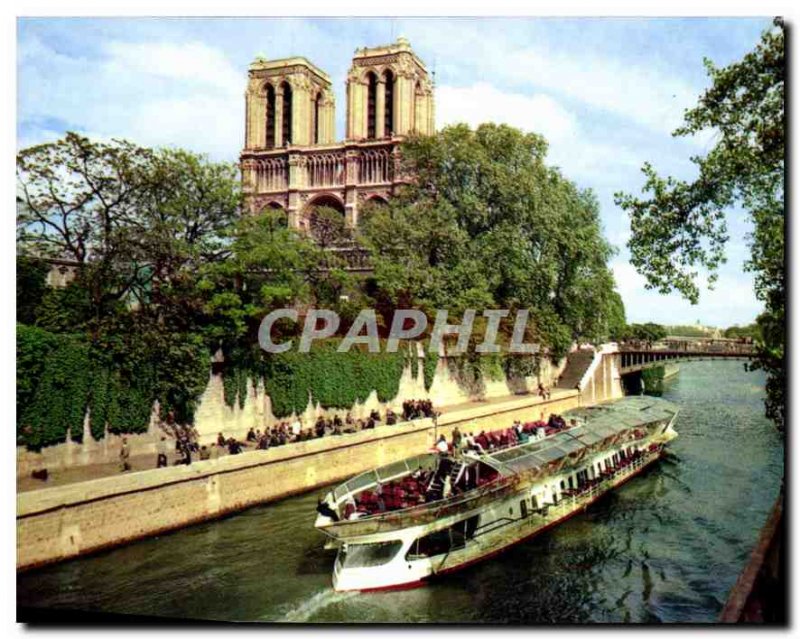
(643, 355)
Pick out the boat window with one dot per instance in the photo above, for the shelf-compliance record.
(470, 525)
(445, 540)
(362, 481)
(391, 471)
(366, 555)
(523, 508)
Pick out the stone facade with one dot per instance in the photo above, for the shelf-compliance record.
(291, 160)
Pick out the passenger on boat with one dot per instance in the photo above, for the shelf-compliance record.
(447, 489)
(472, 444)
(441, 445)
(456, 439)
(251, 435)
(325, 510)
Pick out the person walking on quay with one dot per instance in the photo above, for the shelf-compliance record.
(162, 453)
(124, 455)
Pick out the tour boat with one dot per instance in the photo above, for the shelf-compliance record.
(402, 524)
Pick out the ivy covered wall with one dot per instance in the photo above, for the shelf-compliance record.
(61, 376)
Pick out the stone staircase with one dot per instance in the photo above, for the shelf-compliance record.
(577, 365)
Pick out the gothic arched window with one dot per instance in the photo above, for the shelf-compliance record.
(287, 113)
(317, 111)
(270, 141)
(388, 126)
(372, 97)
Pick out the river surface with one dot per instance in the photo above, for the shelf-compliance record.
(666, 547)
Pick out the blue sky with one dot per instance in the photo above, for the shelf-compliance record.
(606, 93)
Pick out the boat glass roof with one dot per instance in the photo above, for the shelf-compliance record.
(596, 424)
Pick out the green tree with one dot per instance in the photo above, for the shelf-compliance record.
(753, 331)
(617, 326)
(31, 287)
(680, 225)
(650, 331)
(143, 226)
(487, 224)
(75, 198)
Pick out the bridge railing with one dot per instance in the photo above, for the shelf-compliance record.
(705, 346)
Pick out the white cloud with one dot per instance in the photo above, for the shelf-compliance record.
(571, 147)
(731, 302)
(192, 63)
(646, 95)
(483, 102)
(153, 93)
(649, 91)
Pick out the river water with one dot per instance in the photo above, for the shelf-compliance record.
(666, 547)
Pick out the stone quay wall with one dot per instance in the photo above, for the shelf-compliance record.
(62, 522)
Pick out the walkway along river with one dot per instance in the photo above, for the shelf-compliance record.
(668, 546)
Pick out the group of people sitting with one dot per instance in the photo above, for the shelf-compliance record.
(417, 409)
(422, 486)
(337, 426)
(288, 433)
(518, 433)
(186, 443)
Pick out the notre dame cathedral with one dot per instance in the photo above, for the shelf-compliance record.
(291, 159)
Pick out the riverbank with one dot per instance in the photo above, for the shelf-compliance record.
(77, 518)
(667, 547)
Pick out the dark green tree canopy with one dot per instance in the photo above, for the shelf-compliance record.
(485, 223)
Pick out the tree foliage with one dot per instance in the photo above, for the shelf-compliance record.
(140, 226)
(752, 331)
(679, 227)
(485, 223)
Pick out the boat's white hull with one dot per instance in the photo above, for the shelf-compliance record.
(509, 522)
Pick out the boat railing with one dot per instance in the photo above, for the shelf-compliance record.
(594, 490)
(430, 511)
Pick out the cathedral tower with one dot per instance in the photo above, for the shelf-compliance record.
(389, 93)
(291, 160)
(288, 102)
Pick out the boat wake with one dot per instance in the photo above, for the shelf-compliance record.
(309, 607)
